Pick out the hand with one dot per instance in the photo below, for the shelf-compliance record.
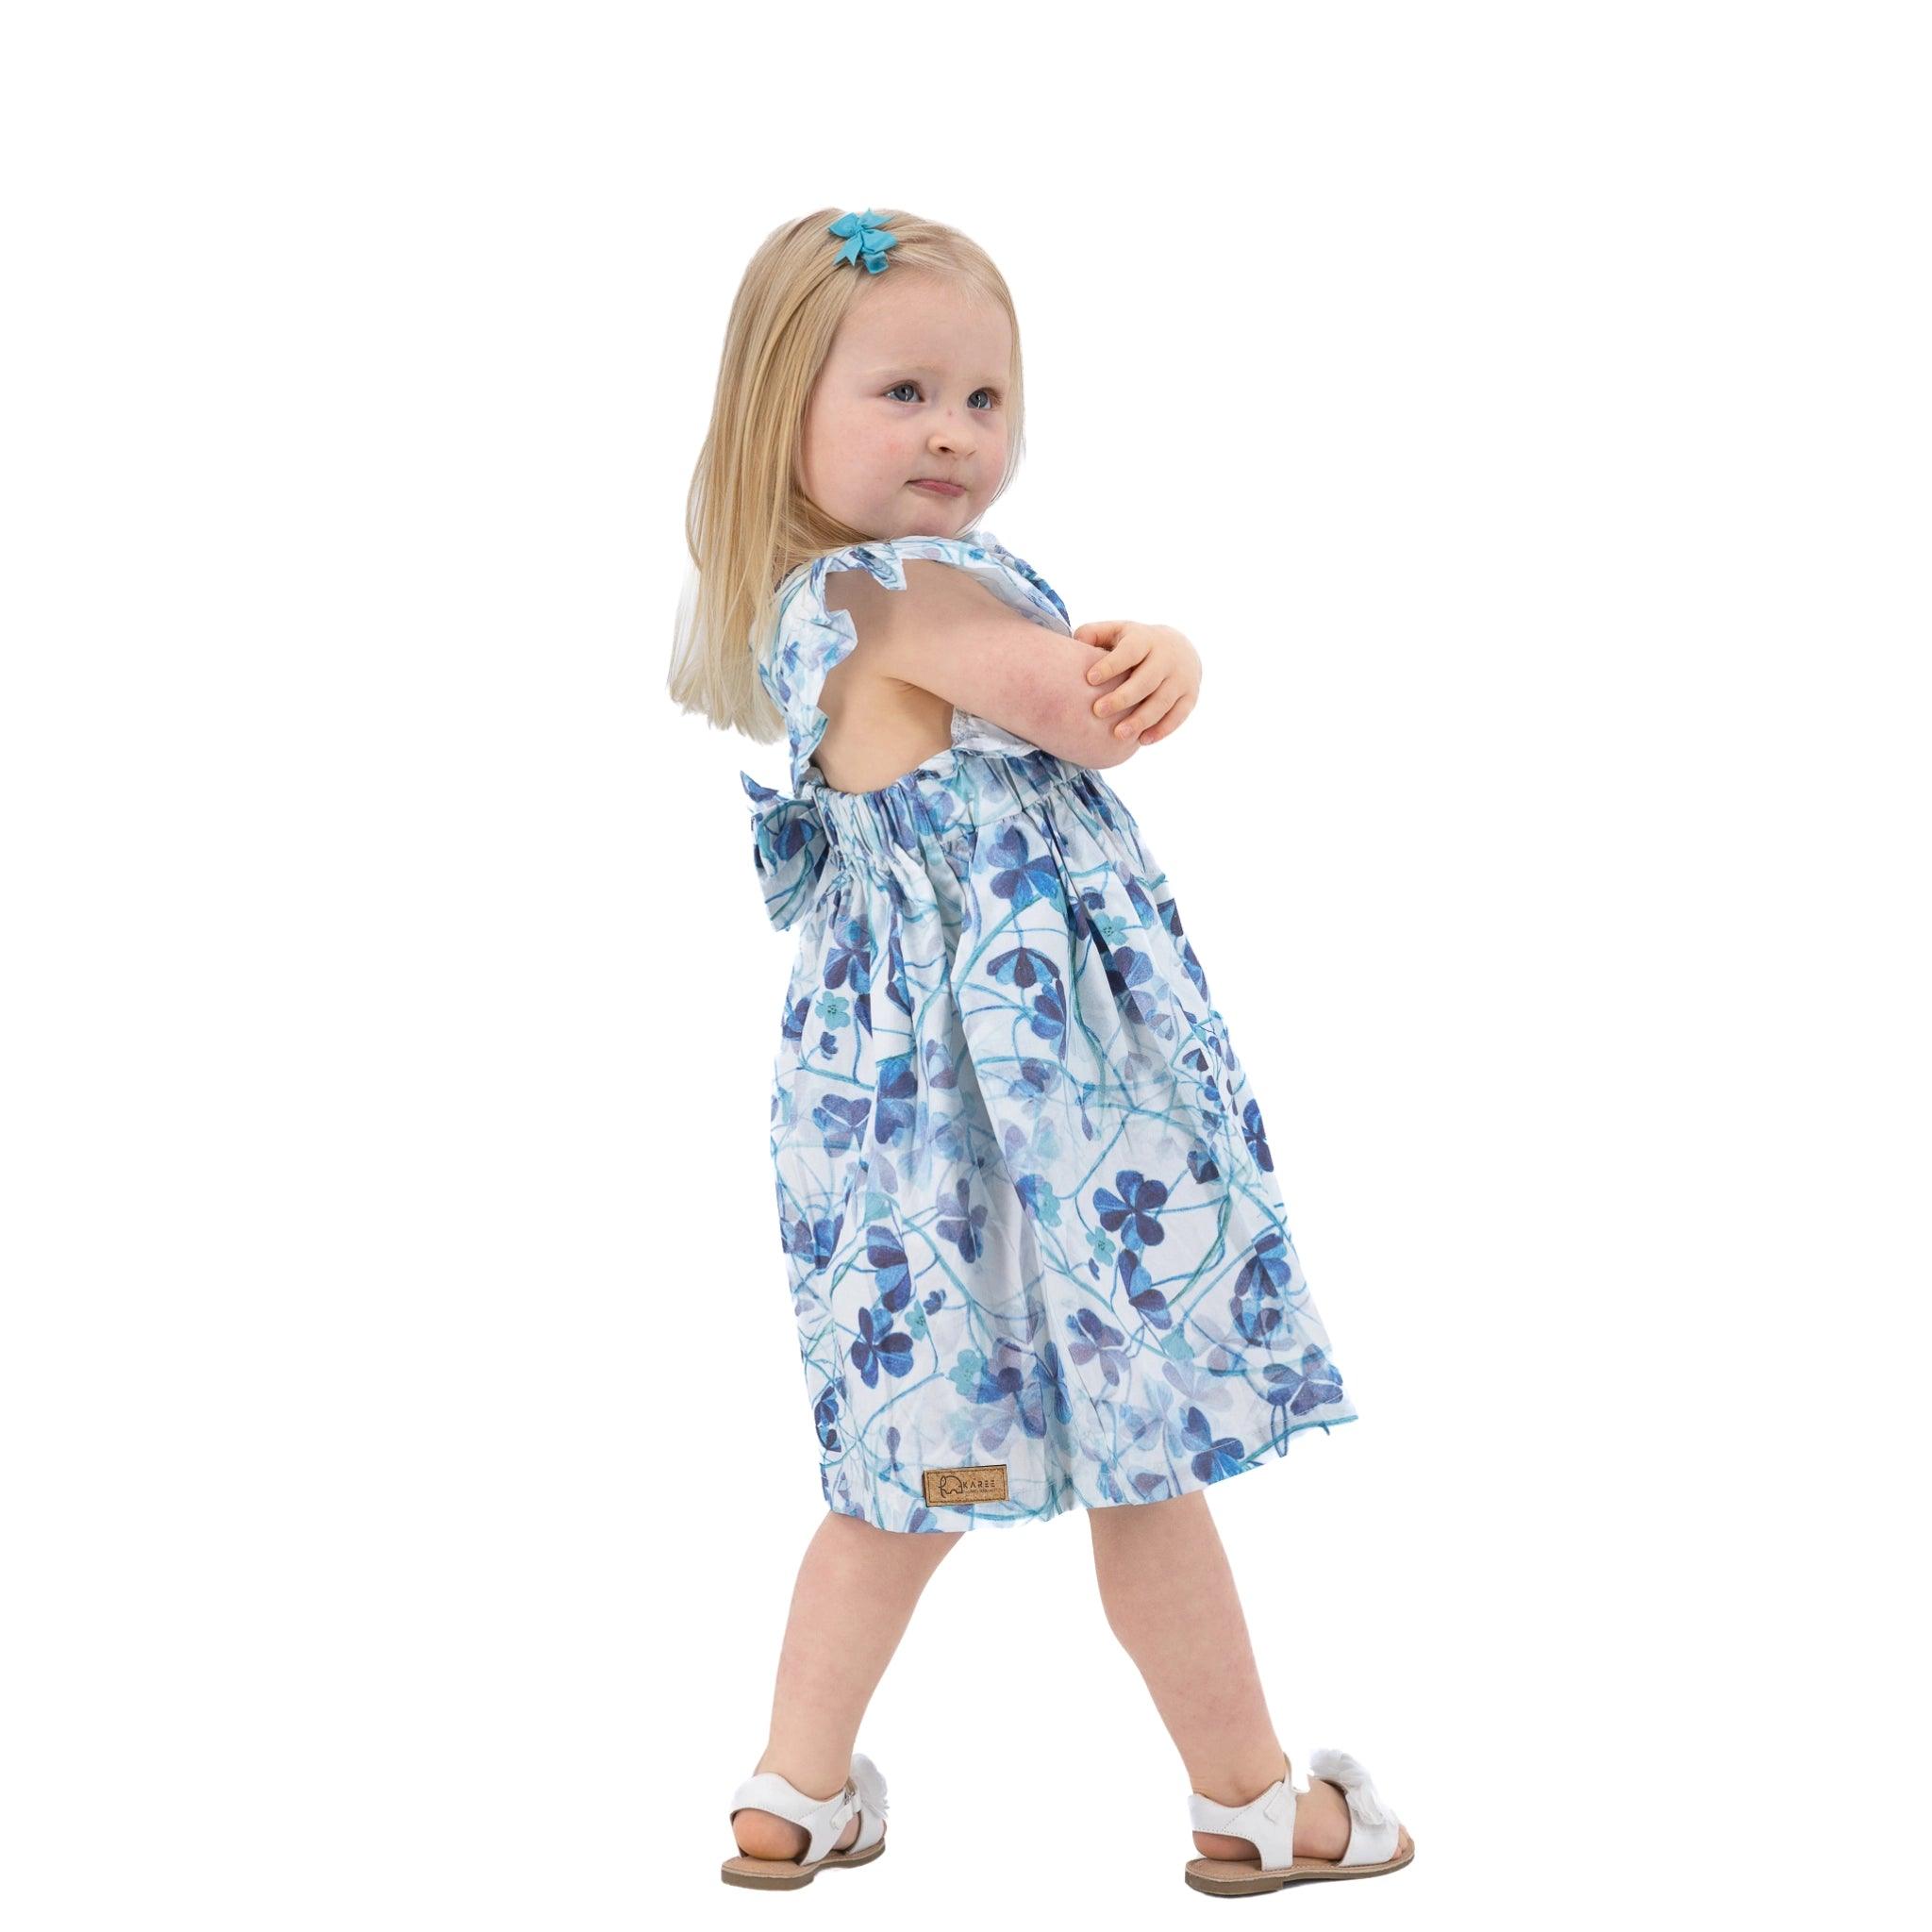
(1165, 681)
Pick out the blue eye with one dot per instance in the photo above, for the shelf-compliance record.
(989, 392)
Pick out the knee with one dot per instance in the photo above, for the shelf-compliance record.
(926, 1544)
(1170, 1515)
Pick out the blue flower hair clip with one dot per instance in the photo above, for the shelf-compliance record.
(864, 240)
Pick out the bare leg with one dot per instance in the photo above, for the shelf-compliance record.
(853, 1600)
(1169, 1597)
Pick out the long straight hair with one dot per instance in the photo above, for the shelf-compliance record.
(748, 522)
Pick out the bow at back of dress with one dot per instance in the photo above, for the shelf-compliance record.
(789, 845)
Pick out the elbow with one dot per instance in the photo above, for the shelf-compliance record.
(1050, 703)
(1114, 751)
(1068, 727)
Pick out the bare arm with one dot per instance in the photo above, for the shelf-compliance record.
(946, 634)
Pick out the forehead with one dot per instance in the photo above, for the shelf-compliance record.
(924, 325)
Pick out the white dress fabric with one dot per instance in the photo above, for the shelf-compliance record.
(1037, 1253)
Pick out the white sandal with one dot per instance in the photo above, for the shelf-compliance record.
(825, 1818)
(1377, 1839)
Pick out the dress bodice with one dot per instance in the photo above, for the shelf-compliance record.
(799, 651)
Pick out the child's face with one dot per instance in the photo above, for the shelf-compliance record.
(914, 385)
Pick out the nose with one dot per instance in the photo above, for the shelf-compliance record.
(951, 435)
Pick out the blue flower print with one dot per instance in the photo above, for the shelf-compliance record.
(824, 1418)
(1258, 1288)
(1019, 875)
(1048, 1018)
(1136, 897)
(815, 1239)
(1039, 1199)
(898, 1092)
(1131, 1211)
(1142, 1296)
(1033, 1081)
(898, 989)
(886, 1257)
(995, 1394)
(1316, 1385)
(1149, 1423)
(1171, 913)
(1025, 967)
(1217, 1455)
(1257, 1141)
(1050, 1383)
(841, 1121)
(1028, 1205)
(1139, 990)
(848, 961)
(1201, 1163)
(1108, 926)
(962, 1222)
(978, 1382)
(879, 1345)
(1094, 1340)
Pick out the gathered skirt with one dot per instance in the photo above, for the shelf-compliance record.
(1036, 1247)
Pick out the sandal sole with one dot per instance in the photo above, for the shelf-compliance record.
(1241, 1877)
(786, 1875)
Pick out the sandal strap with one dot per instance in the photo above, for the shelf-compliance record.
(1267, 1821)
(824, 1819)
(1374, 1829)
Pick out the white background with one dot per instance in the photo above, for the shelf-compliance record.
(404, 1457)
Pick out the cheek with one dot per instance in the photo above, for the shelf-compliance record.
(816, 446)
(894, 445)
(847, 437)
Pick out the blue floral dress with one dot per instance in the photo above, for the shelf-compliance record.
(1034, 1240)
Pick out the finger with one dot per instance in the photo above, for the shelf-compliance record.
(1128, 647)
(1102, 632)
(1171, 723)
(1154, 709)
(1129, 692)
(1133, 686)
(1149, 711)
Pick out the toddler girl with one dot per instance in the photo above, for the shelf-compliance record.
(1037, 1251)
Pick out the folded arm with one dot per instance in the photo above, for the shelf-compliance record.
(948, 634)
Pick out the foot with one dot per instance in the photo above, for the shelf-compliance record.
(1321, 1826)
(765, 1835)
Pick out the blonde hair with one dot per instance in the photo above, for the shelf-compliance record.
(748, 524)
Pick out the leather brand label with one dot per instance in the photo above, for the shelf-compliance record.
(982, 1482)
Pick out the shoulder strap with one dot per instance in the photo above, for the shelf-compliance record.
(807, 640)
